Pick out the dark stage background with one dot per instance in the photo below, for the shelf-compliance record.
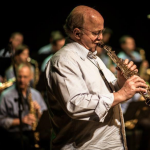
(36, 20)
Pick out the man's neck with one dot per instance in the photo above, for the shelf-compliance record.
(24, 92)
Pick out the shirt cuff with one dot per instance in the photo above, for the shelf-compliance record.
(8, 123)
(104, 105)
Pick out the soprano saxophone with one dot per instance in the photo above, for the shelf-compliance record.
(126, 72)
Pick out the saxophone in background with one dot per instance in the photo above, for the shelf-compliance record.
(7, 84)
(34, 125)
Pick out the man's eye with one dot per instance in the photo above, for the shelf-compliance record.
(95, 33)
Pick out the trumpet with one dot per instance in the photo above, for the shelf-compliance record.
(126, 72)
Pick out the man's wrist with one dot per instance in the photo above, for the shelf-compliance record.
(119, 97)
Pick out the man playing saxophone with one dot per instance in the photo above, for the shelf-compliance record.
(83, 94)
(9, 110)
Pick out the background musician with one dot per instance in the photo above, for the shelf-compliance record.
(22, 53)
(128, 50)
(15, 39)
(9, 111)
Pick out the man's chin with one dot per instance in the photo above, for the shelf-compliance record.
(22, 87)
(93, 49)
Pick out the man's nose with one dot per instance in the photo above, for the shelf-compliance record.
(100, 36)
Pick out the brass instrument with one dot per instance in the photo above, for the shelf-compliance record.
(36, 73)
(126, 72)
(7, 84)
(34, 125)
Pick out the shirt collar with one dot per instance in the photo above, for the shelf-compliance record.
(80, 50)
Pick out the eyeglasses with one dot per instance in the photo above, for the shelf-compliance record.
(96, 33)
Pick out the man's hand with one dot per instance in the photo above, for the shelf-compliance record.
(129, 87)
(36, 106)
(29, 119)
(133, 85)
(131, 66)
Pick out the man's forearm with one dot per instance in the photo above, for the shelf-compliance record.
(16, 122)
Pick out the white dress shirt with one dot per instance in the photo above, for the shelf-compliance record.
(80, 103)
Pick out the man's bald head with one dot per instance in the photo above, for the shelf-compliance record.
(80, 16)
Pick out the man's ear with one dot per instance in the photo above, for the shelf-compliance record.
(77, 33)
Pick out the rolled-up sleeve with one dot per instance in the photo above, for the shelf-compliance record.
(73, 95)
(5, 121)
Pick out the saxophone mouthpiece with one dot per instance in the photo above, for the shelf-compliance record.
(100, 44)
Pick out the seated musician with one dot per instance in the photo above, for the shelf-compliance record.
(21, 56)
(9, 110)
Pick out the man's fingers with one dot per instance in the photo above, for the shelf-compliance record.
(139, 80)
(141, 85)
(132, 68)
(138, 90)
(136, 70)
(126, 61)
(130, 65)
(135, 79)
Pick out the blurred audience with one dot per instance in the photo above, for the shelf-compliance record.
(9, 111)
